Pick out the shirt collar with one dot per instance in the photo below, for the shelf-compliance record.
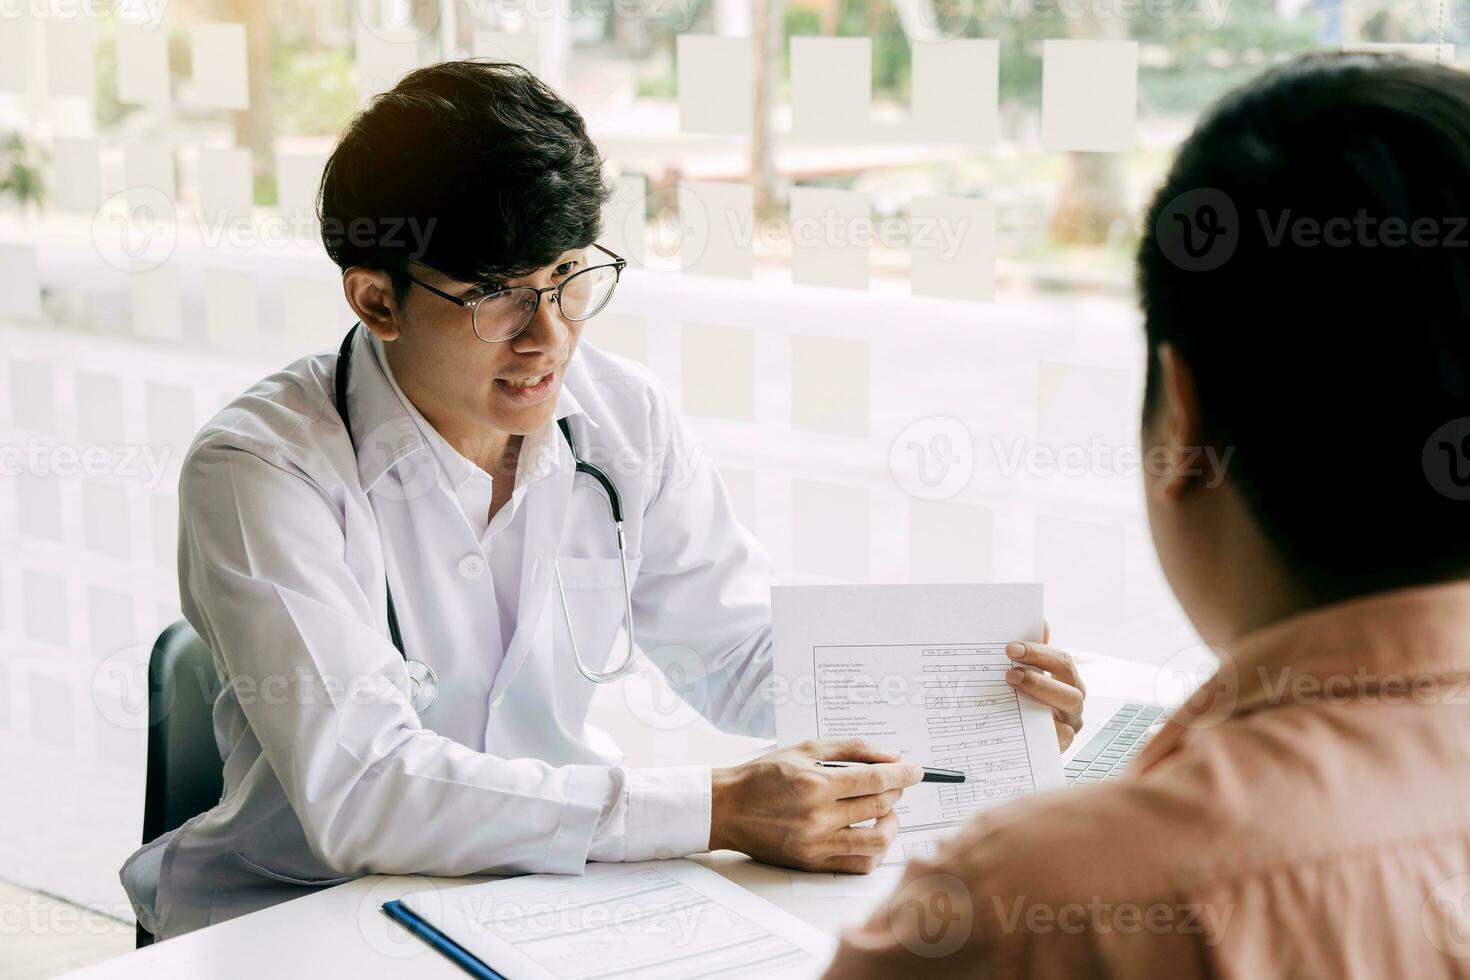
(393, 436)
(1405, 644)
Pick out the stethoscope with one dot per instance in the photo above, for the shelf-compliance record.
(423, 682)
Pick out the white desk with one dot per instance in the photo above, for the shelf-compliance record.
(342, 932)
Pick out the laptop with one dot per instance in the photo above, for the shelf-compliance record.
(1104, 754)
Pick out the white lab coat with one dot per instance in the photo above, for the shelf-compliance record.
(286, 537)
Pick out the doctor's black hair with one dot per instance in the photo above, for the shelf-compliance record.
(1309, 259)
(474, 168)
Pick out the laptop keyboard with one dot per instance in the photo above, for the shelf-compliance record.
(1112, 750)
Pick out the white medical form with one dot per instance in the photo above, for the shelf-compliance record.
(919, 669)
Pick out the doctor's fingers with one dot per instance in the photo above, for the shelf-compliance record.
(873, 779)
(1053, 660)
(862, 808)
(867, 840)
(1062, 698)
(845, 750)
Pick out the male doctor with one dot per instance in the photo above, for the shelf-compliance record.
(409, 587)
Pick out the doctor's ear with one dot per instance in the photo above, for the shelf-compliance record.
(1174, 430)
(371, 295)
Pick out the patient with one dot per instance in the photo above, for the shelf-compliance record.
(1305, 281)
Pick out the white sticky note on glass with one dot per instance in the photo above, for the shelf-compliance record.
(949, 542)
(111, 619)
(1089, 95)
(99, 401)
(831, 88)
(717, 220)
(623, 334)
(955, 91)
(383, 57)
(71, 47)
(20, 282)
(716, 87)
(719, 371)
(76, 168)
(220, 76)
(45, 606)
(148, 170)
(829, 385)
(15, 54)
(830, 530)
(1082, 566)
(314, 311)
(1080, 404)
(298, 175)
(38, 506)
(230, 308)
(226, 191)
(521, 48)
(106, 528)
(157, 303)
(831, 234)
(168, 417)
(625, 219)
(952, 248)
(33, 396)
(142, 66)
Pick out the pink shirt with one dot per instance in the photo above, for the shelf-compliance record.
(1307, 814)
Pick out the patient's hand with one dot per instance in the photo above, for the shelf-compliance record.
(784, 809)
(1060, 688)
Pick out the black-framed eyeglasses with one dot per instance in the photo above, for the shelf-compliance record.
(501, 314)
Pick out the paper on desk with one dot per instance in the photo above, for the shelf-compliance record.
(656, 920)
(919, 669)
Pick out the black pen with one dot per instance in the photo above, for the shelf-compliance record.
(931, 775)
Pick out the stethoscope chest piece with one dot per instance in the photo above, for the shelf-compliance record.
(423, 685)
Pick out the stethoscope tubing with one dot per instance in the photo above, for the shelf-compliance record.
(422, 679)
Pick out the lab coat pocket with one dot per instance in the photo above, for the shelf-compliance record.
(595, 605)
(287, 879)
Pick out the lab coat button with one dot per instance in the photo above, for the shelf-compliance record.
(663, 853)
(472, 566)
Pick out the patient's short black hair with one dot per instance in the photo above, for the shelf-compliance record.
(1329, 332)
(474, 168)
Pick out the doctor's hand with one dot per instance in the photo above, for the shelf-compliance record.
(1056, 685)
(784, 809)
